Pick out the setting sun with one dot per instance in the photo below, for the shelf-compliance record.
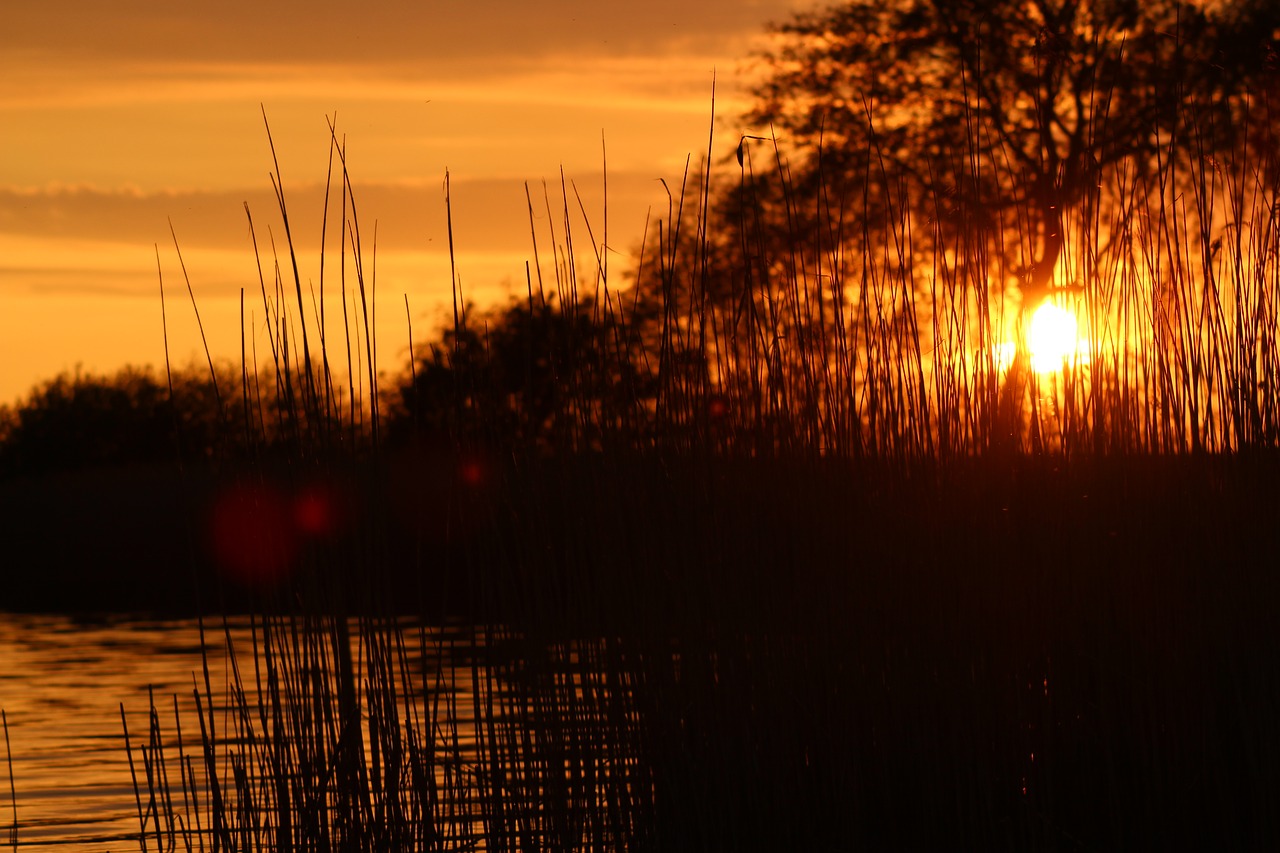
(1053, 339)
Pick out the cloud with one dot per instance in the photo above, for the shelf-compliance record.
(476, 34)
(488, 214)
(167, 95)
(67, 241)
(156, 137)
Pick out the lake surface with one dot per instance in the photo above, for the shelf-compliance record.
(64, 682)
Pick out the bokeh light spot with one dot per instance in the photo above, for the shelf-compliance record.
(472, 472)
(315, 512)
(254, 540)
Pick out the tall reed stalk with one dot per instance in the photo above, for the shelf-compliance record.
(794, 557)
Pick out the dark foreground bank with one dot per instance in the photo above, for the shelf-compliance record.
(797, 654)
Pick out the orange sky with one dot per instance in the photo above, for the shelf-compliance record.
(116, 119)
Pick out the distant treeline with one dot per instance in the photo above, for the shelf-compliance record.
(513, 378)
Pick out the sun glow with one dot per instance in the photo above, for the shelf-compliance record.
(1053, 339)
(1051, 342)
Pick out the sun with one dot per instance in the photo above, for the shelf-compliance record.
(1053, 339)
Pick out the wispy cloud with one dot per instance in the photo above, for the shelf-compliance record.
(476, 33)
(488, 214)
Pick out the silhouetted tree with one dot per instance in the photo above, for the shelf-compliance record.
(1002, 109)
(82, 420)
(533, 374)
(915, 172)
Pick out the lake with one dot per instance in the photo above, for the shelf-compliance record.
(1128, 702)
(65, 680)
(63, 683)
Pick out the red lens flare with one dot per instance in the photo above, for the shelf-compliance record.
(472, 471)
(316, 511)
(254, 538)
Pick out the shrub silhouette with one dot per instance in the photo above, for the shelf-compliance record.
(82, 420)
(544, 373)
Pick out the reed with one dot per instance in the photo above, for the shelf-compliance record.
(13, 793)
(787, 556)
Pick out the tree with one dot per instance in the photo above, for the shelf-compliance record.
(531, 374)
(84, 420)
(999, 108)
(917, 175)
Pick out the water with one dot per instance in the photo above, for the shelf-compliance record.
(63, 682)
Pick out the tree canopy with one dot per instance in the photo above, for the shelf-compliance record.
(999, 107)
(84, 419)
(541, 373)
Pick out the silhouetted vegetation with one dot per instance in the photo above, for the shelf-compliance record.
(1011, 117)
(84, 420)
(779, 550)
(543, 375)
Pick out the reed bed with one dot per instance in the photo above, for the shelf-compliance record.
(770, 550)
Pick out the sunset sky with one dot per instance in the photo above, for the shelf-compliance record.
(117, 119)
